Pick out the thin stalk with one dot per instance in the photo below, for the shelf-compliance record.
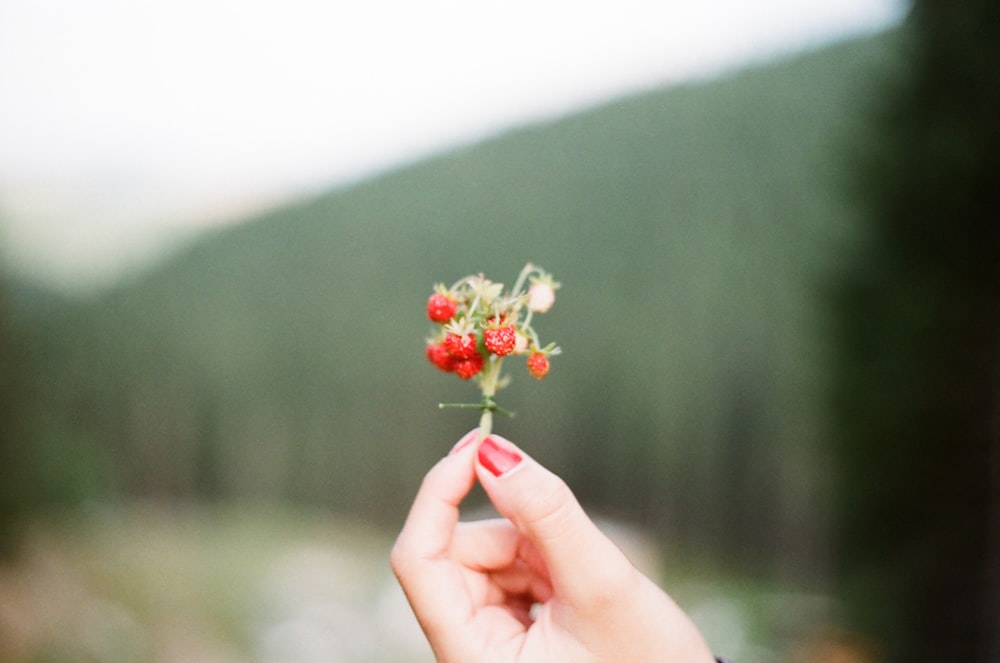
(528, 269)
(488, 385)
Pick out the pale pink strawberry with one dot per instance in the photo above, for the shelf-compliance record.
(541, 296)
(521, 344)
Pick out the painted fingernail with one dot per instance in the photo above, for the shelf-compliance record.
(497, 459)
(469, 438)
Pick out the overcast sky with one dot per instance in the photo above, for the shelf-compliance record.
(126, 125)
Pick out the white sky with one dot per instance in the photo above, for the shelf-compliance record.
(126, 125)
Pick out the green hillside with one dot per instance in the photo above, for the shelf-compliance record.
(694, 230)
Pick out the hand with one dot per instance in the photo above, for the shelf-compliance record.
(544, 584)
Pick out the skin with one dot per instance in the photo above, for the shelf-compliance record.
(542, 584)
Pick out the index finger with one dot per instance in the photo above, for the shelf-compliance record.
(432, 582)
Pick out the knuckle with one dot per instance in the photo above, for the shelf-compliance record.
(550, 508)
(398, 557)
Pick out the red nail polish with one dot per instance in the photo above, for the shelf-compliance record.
(498, 460)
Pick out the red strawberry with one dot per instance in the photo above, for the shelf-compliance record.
(500, 339)
(441, 308)
(466, 368)
(461, 347)
(438, 355)
(538, 365)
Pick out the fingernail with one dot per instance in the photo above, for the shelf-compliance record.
(497, 459)
(469, 438)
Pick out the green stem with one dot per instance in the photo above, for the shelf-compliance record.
(488, 385)
(486, 406)
(485, 424)
(490, 378)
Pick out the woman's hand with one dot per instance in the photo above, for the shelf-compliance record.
(544, 584)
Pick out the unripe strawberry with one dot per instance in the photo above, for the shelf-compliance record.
(538, 365)
(439, 356)
(500, 339)
(541, 296)
(441, 308)
(521, 344)
(461, 346)
(467, 368)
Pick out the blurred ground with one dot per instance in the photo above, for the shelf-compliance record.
(269, 585)
(211, 585)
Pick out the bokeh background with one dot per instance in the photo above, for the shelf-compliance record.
(778, 388)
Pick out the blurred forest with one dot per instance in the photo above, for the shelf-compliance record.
(692, 229)
(917, 384)
(778, 321)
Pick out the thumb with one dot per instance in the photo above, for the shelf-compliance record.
(582, 562)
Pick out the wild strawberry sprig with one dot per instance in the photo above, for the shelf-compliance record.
(477, 324)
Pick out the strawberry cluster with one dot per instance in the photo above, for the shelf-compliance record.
(478, 323)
